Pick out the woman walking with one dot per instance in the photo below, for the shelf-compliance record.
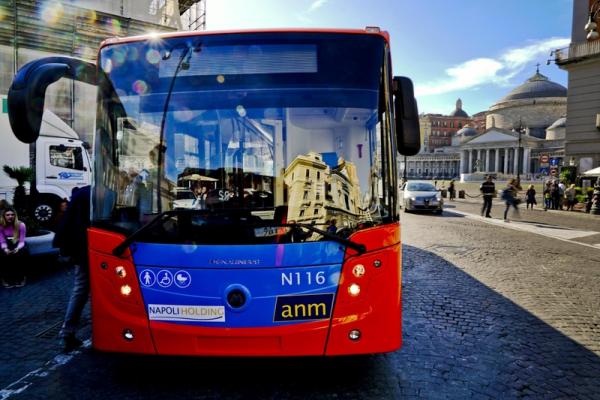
(12, 242)
(509, 195)
(570, 197)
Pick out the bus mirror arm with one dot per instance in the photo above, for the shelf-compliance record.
(28, 90)
(408, 137)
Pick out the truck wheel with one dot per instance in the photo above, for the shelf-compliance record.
(44, 210)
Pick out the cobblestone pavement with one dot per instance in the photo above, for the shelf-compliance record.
(489, 313)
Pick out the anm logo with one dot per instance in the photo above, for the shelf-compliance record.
(304, 307)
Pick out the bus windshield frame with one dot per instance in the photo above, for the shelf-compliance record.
(262, 128)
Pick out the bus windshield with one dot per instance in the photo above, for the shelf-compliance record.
(257, 130)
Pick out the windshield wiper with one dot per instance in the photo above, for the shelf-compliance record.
(118, 251)
(361, 248)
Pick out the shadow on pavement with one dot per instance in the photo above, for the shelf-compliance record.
(461, 339)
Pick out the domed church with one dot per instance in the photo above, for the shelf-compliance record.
(523, 134)
(534, 105)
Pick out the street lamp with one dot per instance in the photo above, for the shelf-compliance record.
(520, 129)
(591, 25)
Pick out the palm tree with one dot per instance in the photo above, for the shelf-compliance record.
(21, 175)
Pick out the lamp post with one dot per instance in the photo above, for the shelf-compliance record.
(520, 129)
(591, 25)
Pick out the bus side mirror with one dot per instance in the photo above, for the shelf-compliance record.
(408, 136)
(28, 90)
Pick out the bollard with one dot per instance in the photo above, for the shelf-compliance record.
(595, 209)
(461, 194)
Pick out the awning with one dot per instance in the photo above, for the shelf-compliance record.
(592, 172)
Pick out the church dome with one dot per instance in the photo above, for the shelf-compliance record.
(535, 87)
(467, 131)
(459, 112)
(559, 123)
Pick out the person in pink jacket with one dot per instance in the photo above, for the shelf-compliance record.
(12, 242)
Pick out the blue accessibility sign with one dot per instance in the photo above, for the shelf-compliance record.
(544, 170)
(554, 162)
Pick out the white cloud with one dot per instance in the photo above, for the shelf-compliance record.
(316, 4)
(474, 73)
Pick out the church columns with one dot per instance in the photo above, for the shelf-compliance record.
(506, 153)
(462, 162)
(526, 154)
(497, 169)
(470, 166)
(516, 161)
(488, 167)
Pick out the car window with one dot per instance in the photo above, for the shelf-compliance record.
(420, 187)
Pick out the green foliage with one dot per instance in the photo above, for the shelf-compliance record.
(581, 198)
(20, 174)
(568, 175)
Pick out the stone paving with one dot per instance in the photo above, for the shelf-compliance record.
(489, 313)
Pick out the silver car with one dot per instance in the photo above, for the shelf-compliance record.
(421, 196)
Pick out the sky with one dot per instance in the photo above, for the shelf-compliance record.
(476, 50)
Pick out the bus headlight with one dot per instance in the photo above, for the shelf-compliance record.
(125, 290)
(358, 270)
(120, 271)
(354, 289)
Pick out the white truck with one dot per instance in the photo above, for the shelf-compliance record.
(62, 163)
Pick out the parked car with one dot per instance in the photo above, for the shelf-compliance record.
(421, 196)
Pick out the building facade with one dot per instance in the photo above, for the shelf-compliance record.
(437, 129)
(582, 61)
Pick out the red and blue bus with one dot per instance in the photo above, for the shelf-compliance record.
(245, 190)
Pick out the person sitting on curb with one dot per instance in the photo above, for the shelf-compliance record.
(12, 241)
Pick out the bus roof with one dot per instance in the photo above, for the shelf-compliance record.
(165, 35)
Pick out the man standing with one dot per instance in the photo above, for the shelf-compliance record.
(71, 238)
(488, 190)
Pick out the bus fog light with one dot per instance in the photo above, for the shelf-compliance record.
(354, 289)
(120, 271)
(358, 270)
(125, 290)
(354, 334)
(377, 263)
(128, 335)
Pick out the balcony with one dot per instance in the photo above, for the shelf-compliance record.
(576, 52)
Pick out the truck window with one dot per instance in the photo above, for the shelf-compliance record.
(66, 157)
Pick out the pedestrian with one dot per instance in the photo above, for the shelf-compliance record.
(71, 239)
(570, 197)
(561, 194)
(530, 194)
(14, 250)
(554, 195)
(488, 190)
(509, 195)
(452, 190)
(547, 196)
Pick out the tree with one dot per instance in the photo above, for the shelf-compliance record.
(21, 175)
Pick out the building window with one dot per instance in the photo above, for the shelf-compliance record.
(305, 195)
(307, 173)
(302, 213)
(318, 196)
(452, 124)
(316, 211)
(459, 125)
(318, 175)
